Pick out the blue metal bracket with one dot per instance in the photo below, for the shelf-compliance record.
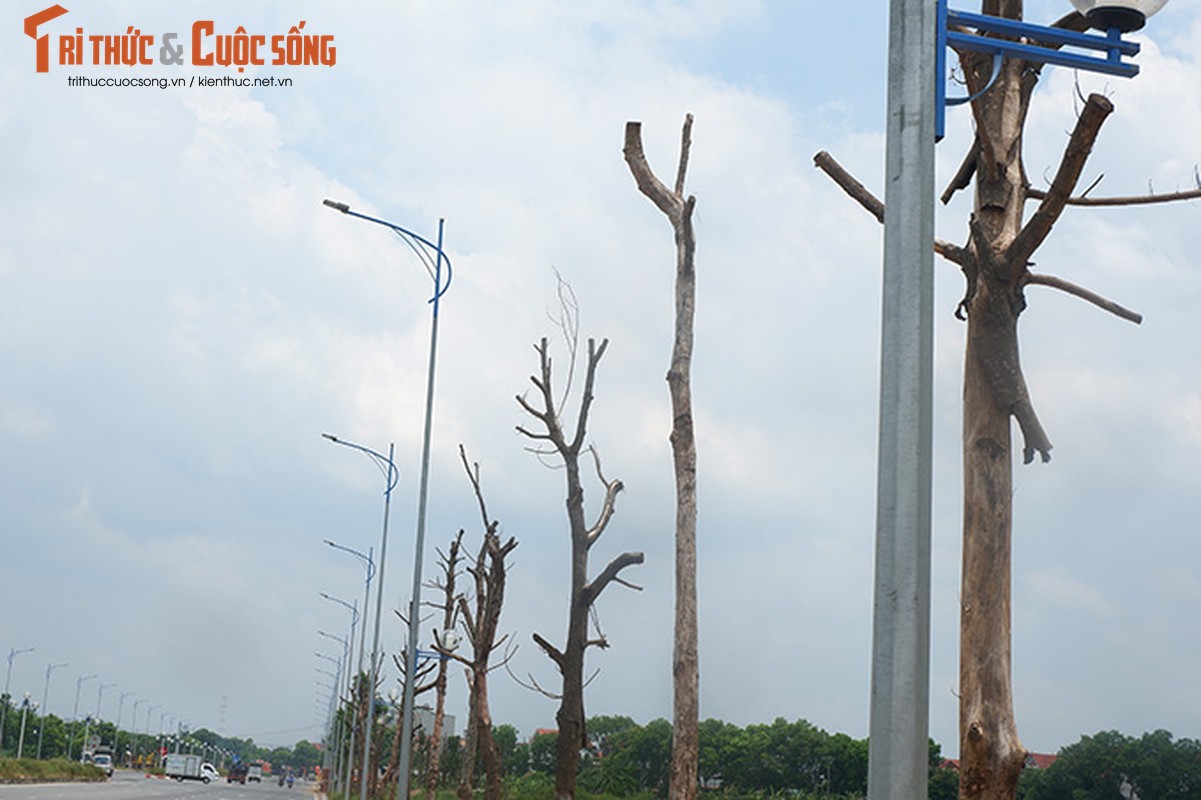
(1040, 44)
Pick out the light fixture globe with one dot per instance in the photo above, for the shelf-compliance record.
(1125, 15)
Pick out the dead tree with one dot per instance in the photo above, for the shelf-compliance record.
(996, 263)
(448, 564)
(685, 745)
(423, 682)
(569, 660)
(480, 622)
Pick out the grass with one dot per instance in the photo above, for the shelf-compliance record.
(57, 770)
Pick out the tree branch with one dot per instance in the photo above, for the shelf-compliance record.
(608, 575)
(1035, 231)
(1084, 294)
(874, 206)
(553, 652)
(1130, 200)
(611, 491)
(594, 356)
(670, 203)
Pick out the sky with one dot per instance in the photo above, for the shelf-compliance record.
(181, 319)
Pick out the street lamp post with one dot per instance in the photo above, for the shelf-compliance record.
(341, 764)
(45, 694)
(354, 619)
(387, 465)
(432, 255)
(13, 653)
(25, 707)
(99, 700)
(899, 709)
(369, 567)
(75, 714)
(117, 726)
(343, 668)
(133, 725)
(150, 711)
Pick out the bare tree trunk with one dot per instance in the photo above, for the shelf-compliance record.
(449, 563)
(685, 751)
(570, 660)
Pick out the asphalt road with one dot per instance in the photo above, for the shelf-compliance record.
(128, 785)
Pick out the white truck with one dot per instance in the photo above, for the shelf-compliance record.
(189, 767)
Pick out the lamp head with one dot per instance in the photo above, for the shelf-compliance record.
(1125, 15)
(334, 204)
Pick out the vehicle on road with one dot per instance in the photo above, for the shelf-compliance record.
(254, 772)
(104, 761)
(237, 773)
(189, 767)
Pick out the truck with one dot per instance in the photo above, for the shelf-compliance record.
(102, 757)
(255, 771)
(189, 767)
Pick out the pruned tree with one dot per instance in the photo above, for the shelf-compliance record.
(480, 622)
(685, 745)
(424, 681)
(569, 448)
(444, 585)
(996, 264)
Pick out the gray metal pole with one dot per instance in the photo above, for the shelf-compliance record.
(46, 694)
(406, 735)
(13, 653)
(900, 684)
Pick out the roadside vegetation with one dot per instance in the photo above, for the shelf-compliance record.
(56, 770)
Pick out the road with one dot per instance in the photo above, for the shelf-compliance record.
(129, 785)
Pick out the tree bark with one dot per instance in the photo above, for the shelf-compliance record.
(685, 749)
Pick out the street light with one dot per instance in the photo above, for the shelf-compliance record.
(1124, 15)
(13, 653)
(354, 618)
(432, 256)
(117, 726)
(25, 707)
(150, 711)
(386, 465)
(134, 727)
(1040, 44)
(45, 694)
(75, 714)
(100, 698)
(369, 567)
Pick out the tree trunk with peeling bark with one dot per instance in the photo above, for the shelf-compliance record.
(685, 744)
(584, 592)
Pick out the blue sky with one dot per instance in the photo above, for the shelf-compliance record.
(182, 319)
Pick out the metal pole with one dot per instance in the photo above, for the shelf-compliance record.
(13, 653)
(900, 687)
(406, 736)
(134, 727)
(354, 621)
(24, 716)
(45, 694)
(153, 761)
(117, 727)
(75, 713)
(369, 566)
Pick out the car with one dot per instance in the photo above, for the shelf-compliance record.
(236, 773)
